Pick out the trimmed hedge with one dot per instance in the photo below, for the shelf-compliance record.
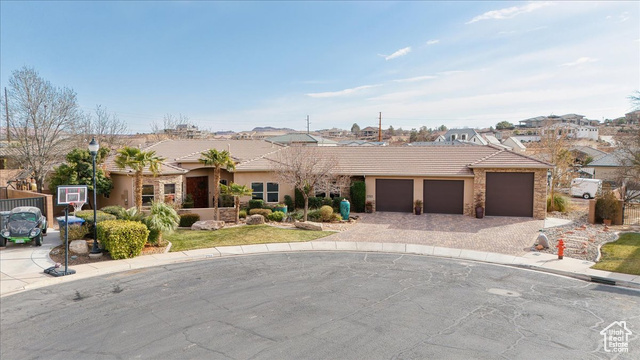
(76, 232)
(122, 238)
(314, 202)
(188, 219)
(276, 216)
(242, 214)
(87, 215)
(114, 210)
(263, 212)
(358, 195)
(256, 204)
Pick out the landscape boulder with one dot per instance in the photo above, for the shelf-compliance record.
(308, 225)
(256, 219)
(207, 225)
(79, 247)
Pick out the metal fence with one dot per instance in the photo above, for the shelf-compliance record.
(631, 214)
(9, 204)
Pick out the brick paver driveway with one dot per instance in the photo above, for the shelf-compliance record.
(506, 235)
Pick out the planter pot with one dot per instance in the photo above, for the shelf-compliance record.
(418, 210)
(479, 212)
(607, 222)
(282, 209)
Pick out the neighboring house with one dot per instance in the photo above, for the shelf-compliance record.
(449, 179)
(186, 131)
(335, 133)
(441, 143)
(301, 139)
(608, 167)
(368, 133)
(582, 153)
(515, 144)
(469, 135)
(572, 131)
(632, 117)
(540, 121)
(361, 143)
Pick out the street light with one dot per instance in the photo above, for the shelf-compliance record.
(93, 150)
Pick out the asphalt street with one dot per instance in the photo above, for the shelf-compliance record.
(320, 305)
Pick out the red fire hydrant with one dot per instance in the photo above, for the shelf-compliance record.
(561, 248)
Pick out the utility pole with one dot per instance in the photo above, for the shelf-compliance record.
(6, 108)
(380, 127)
(307, 124)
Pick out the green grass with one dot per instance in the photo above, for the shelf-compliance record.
(622, 255)
(242, 235)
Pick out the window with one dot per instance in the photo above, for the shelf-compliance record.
(272, 192)
(463, 137)
(223, 182)
(258, 190)
(169, 193)
(147, 194)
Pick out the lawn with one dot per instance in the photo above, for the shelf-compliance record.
(241, 235)
(622, 255)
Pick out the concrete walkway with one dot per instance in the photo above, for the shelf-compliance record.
(537, 261)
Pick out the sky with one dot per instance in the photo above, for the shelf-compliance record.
(238, 65)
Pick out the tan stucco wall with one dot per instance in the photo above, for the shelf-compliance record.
(606, 173)
(539, 189)
(246, 178)
(418, 187)
(121, 194)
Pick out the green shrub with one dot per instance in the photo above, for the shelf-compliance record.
(560, 203)
(315, 202)
(299, 199)
(131, 214)
(289, 202)
(358, 195)
(226, 201)
(256, 204)
(327, 201)
(188, 219)
(188, 201)
(122, 238)
(607, 205)
(314, 215)
(326, 212)
(87, 215)
(162, 219)
(263, 212)
(154, 236)
(242, 214)
(276, 216)
(336, 217)
(296, 215)
(76, 232)
(114, 210)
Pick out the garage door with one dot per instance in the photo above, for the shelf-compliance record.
(394, 195)
(443, 196)
(509, 194)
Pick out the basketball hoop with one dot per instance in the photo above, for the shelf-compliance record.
(77, 206)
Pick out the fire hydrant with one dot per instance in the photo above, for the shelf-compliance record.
(561, 248)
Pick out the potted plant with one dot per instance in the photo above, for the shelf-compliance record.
(280, 207)
(479, 207)
(417, 207)
(368, 207)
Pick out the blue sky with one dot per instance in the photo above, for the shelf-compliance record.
(237, 65)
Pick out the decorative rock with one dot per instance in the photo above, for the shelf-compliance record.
(539, 247)
(256, 219)
(308, 225)
(207, 225)
(79, 247)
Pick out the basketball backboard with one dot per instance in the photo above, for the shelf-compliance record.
(68, 194)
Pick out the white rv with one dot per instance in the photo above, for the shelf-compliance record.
(586, 188)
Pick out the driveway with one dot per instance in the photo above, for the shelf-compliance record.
(506, 235)
(22, 264)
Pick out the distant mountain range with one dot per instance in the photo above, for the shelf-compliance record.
(269, 128)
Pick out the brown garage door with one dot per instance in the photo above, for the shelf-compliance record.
(509, 194)
(443, 196)
(394, 195)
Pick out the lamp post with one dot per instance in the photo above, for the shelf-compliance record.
(93, 150)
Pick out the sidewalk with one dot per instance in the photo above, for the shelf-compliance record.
(536, 261)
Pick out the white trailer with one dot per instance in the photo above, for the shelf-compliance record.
(586, 188)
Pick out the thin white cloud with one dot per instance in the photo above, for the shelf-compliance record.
(414, 79)
(580, 61)
(397, 54)
(433, 42)
(508, 13)
(450, 72)
(344, 92)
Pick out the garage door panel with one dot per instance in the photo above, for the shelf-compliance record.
(394, 195)
(509, 194)
(443, 196)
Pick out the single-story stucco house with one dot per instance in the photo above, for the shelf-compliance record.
(450, 179)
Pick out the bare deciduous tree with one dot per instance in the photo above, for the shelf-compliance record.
(169, 124)
(555, 142)
(43, 121)
(106, 128)
(628, 158)
(305, 168)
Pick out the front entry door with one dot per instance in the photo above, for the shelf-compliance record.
(198, 188)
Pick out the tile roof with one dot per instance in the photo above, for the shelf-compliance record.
(613, 159)
(594, 153)
(411, 161)
(300, 138)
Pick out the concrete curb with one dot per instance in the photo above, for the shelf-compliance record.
(574, 268)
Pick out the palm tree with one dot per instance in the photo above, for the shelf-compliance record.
(138, 160)
(236, 191)
(217, 159)
(162, 219)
